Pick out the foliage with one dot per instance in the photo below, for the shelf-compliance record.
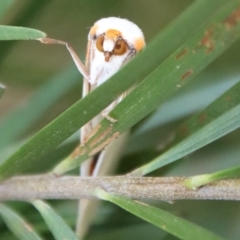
(173, 111)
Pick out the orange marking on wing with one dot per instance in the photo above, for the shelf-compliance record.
(113, 34)
(93, 164)
(139, 44)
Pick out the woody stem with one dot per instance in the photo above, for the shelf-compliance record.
(158, 188)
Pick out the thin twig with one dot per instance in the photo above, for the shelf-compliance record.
(164, 188)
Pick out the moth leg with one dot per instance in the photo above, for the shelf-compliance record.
(81, 68)
(105, 115)
(78, 62)
(107, 110)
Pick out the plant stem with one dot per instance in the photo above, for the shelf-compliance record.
(158, 188)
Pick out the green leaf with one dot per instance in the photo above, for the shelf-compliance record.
(172, 110)
(166, 80)
(48, 94)
(217, 120)
(2, 89)
(56, 224)
(20, 228)
(19, 33)
(5, 6)
(84, 110)
(160, 218)
(200, 180)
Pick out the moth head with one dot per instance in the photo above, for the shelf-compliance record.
(110, 46)
(116, 38)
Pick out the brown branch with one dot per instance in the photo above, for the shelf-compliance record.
(164, 188)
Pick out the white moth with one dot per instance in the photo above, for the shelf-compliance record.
(112, 42)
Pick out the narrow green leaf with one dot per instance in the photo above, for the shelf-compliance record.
(19, 33)
(217, 120)
(200, 13)
(172, 110)
(56, 224)
(200, 180)
(2, 89)
(162, 83)
(20, 228)
(5, 6)
(160, 218)
(24, 18)
(46, 96)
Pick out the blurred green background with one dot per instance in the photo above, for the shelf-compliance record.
(27, 65)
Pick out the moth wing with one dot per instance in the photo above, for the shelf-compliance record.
(86, 88)
(104, 164)
(87, 128)
(86, 210)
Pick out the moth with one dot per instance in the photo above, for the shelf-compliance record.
(112, 42)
